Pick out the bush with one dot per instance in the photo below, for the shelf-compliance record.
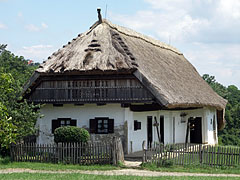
(4, 152)
(71, 134)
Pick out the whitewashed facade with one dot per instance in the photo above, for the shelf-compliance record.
(175, 126)
(114, 81)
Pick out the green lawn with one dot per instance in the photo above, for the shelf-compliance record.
(194, 169)
(6, 163)
(39, 176)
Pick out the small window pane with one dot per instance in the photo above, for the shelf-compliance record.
(68, 122)
(62, 122)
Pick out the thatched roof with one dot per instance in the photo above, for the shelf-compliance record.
(161, 68)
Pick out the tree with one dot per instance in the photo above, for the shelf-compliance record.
(17, 66)
(18, 117)
(230, 135)
(8, 130)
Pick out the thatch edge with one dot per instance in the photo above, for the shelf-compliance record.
(30, 81)
(150, 87)
(163, 102)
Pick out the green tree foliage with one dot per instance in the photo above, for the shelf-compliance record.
(17, 66)
(7, 128)
(230, 135)
(18, 117)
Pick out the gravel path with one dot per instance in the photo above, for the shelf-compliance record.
(130, 172)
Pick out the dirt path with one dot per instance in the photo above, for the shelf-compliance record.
(130, 172)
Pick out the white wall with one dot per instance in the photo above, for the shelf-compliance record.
(81, 113)
(137, 137)
(120, 115)
(209, 114)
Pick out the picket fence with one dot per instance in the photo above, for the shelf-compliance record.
(69, 153)
(189, 154)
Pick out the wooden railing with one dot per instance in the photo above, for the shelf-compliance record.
(69, 153)
(91, 94)
(190, 154)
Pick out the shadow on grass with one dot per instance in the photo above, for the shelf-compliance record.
(5, 160)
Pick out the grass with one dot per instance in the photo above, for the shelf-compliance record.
(40, 176)
(6, 163)
(193, 169)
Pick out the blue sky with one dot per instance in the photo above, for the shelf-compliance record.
(206, 31)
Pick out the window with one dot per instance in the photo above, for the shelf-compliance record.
(63, 122)
(137, 125)
(101, 125)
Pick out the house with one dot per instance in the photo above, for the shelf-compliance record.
(114, 81)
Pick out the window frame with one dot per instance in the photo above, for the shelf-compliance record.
(137, 125)
(56, 123)
(94, 125)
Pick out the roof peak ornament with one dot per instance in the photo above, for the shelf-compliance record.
(99, 15)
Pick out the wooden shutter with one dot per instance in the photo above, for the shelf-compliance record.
(55, 124)
(135, 125)
(93, 125)
(73, 122)
(138, 125)
(111, 126)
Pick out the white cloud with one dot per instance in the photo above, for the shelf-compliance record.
(220, 60)
(178, 24)
(44, 26)
(36, 52)
(3, 26)
(34, 28)
(20, 14)
(169, 5)
(229, 8)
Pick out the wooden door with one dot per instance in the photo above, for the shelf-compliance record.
(149, 131)
(196, 130)
(162, 129)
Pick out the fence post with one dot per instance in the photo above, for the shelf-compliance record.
(12, 150)
(144, 152)
(117, 149)
(200, 153)
(114, 151)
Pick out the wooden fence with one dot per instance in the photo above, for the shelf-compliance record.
(189, 154)
(67, 153)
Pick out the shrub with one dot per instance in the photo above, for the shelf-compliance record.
(71, 134)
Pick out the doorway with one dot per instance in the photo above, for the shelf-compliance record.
(149, 131)
(196, 130)
(162, 129)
